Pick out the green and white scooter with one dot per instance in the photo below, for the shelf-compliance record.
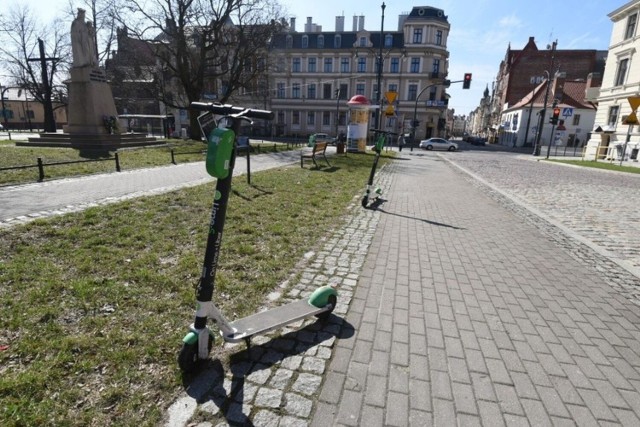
(197, 343)
(372, 195)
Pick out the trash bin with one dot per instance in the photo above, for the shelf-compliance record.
(634, 154)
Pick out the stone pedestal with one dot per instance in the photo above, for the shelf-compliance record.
(90, 102)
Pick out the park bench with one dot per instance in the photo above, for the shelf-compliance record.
(319, 148)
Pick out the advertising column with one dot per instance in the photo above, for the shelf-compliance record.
(358, 124)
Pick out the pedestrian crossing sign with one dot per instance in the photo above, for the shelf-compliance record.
(567, 111)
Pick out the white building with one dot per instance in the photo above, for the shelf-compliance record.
(519, 124)
(620, 82)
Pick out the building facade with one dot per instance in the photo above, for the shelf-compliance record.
(611, 137)
(22, 112)
(316, 72)
(522, 70)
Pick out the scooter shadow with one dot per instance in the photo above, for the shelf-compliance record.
(252, 367)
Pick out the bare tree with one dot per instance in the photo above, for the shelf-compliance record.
(20, 34)
(203, 45)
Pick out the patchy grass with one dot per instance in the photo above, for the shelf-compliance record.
(95, 303)
(599, 165)
(129, 158)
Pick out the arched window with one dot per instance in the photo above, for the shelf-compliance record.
(337, 42)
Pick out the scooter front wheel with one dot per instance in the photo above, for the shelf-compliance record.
(365, 201)
(188, 359)
(333, 300)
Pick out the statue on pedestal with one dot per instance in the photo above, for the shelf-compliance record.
(83, 37)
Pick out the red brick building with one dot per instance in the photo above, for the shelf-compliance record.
(522, 70)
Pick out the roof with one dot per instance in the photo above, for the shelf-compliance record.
(573, 95)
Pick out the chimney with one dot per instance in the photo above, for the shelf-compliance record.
(558, 86)
(293, 25)
(308, 26)
(355, 23)
(361, 23)
(339, 24)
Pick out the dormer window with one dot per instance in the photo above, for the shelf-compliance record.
(305, 41)
(337, 41)
(289, 42)
(363, 42)
(388, 40)
(321, 41)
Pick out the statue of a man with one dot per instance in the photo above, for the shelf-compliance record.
(82, 41)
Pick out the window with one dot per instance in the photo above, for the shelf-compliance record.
(344, 90)
(280, 117)
(388, 40)
(321, 41)
(631, 26)
(328, 65)
(359, 88)
(417, 35)
(337, 41)
(289, 42)
(439, 37)
(311, 65)
(362, 65)
(363, 42)
(295, 65)
(395, 65)
(374, 93)
(295, 118)
(613, 115)
(576, 120)
(432, 93)
(305, 41)
(621, 74)
(342, 118)
(393, 87)
(415, 65)
(311, 118)
(413, 92)
(344, 65)
(326, 118)
(295, 90)
(327, 93)
(280, 91)
(311, 91)
(436, 67)
(280, 65)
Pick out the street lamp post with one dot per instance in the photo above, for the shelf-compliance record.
(379, 79)
(526, 132)
(337, 109)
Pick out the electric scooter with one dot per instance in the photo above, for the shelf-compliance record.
(221, 153)
(371, 195)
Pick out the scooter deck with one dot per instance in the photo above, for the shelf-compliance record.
(269, 320)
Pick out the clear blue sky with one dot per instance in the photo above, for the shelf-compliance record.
(481, 30)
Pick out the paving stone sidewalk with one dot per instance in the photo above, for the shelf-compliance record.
(469, 311)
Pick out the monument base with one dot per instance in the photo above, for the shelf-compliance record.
(104, 142)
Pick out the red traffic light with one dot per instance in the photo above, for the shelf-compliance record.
(466, 83)
(556, 112)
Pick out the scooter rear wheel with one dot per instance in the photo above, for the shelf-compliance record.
(333, 300)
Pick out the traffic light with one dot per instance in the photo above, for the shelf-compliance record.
(554, 118)
(466, 84)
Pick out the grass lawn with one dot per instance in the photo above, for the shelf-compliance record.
(129, 158)
(95, 303)
(600, 165)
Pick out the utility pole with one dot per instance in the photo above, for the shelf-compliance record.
(379, 79)
(49, 120)
(536, 150)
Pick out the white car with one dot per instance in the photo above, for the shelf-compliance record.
(1, 127)
(438, 144)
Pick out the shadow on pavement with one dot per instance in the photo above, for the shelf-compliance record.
(439, 224)
(256, 361)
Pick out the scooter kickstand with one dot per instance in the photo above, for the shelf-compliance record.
(247, 341)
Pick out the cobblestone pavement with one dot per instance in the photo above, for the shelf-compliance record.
(471, 310)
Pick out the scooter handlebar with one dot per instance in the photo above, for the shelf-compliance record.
(228, 109)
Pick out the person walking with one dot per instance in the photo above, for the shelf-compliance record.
(400, 142)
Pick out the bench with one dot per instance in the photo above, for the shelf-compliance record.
(319, 148)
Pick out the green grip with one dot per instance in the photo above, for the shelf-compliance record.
(219, 151)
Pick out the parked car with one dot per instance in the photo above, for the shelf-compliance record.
(476, 140)
(438, 144)
(1, 127)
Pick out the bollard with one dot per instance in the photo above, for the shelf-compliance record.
(40, 170)
(117, 162)
(173, 157)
